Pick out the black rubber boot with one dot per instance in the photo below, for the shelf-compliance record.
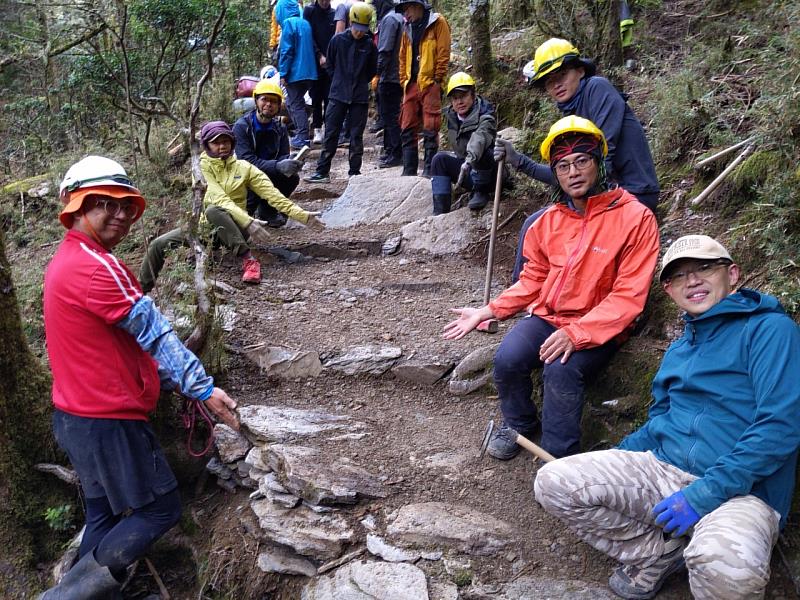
(430, 142)
(86, 580)
(441, 204)
(410, 161)
(478, 200)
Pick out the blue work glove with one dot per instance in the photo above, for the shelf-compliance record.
(675, 514)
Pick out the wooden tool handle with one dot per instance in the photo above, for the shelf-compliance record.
(534, 449)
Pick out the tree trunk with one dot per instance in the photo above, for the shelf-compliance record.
(608, 40)
(480, 39)
(24, 425)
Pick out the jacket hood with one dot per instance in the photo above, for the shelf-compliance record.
(742, 302)
(286, 9)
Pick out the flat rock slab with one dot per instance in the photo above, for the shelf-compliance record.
(526, 588)
(381, 548)
(312, 475)
(286, 363)
(450, 233)
(380, 197)
(442, 525)
(425, 372)
(231, 445)
(280, 423)
(280, 560)
(363, 580)
(473, 372)
(310, 534)
(364, 360)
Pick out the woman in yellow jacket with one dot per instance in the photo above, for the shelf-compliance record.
(225, 204)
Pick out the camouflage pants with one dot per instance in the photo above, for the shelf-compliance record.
(606, 499)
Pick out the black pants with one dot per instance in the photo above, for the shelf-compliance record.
(335, 115)
(319, 97)
(446, 167)
(260, 208)
(391, 95)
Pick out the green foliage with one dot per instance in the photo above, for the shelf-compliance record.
(60, 518)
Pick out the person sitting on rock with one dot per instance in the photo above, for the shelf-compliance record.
(471, 129)
(591, 259)
(706, 483)
(351, 61)
(570, 80)
(263, 141)
(225, 202)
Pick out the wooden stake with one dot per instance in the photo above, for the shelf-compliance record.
(721, 153)
(721, 177)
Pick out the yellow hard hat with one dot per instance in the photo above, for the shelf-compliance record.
(266, 86)
(572, 124)
(361, 14)
(552, 54)
(459, 80)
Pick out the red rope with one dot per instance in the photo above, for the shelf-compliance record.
(191, 407)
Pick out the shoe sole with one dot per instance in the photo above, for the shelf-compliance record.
(499, 456)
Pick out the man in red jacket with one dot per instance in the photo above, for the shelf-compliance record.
(591, 261)
(111, 351)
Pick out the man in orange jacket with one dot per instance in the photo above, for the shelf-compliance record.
(424, 56)
(591, 261)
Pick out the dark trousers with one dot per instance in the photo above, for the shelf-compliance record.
(446, 166)
(356, 115)
(564, 384)
(649, 200)
(261, 209)
(319, 98)
(391, 95)
(296, 106)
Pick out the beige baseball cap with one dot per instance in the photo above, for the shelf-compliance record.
(692, 246)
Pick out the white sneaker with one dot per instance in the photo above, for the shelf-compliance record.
(317, 136)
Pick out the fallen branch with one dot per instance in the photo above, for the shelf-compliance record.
(161, 587)
(338, 562)
(722, 176)
(505, 222)
(721, 153)
(63, 473)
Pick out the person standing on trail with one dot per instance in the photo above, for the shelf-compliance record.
(571, 83)
(111, 351)
(424, 58)
(471, 129)
(390, 93)
(320, 16)
(706, 483)
(352, 60)
(591, 259)
(263, 141)
(297, 66)
(229, 182)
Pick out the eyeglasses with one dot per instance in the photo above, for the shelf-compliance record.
(112, 208)
(701, 271)
(581, 164)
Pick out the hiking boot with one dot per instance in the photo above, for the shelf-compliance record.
(318, 178)
(87, 580)
(390, 162)
(635, 583)
(503, 445)
(318, 137)
(290, 256)
(296, 143)
(478, 200)
(344, 142)
(279, 220)
(410, 161)
(251, 270)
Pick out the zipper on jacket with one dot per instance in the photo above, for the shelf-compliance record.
(692, 432)
(570, 263)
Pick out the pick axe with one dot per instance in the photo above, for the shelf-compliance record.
(491, 325)
(522, 441)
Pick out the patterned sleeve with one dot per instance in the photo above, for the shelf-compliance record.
(177, 366)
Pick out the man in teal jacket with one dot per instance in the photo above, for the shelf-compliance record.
(707, 481)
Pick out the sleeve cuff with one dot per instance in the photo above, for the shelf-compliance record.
(206, 394)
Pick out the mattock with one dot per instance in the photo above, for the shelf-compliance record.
(537, 451)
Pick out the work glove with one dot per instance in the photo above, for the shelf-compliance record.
(503, 149)
(288, 167)
(313, 222)
(257, 233)
(463, 174)
(675, 514)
